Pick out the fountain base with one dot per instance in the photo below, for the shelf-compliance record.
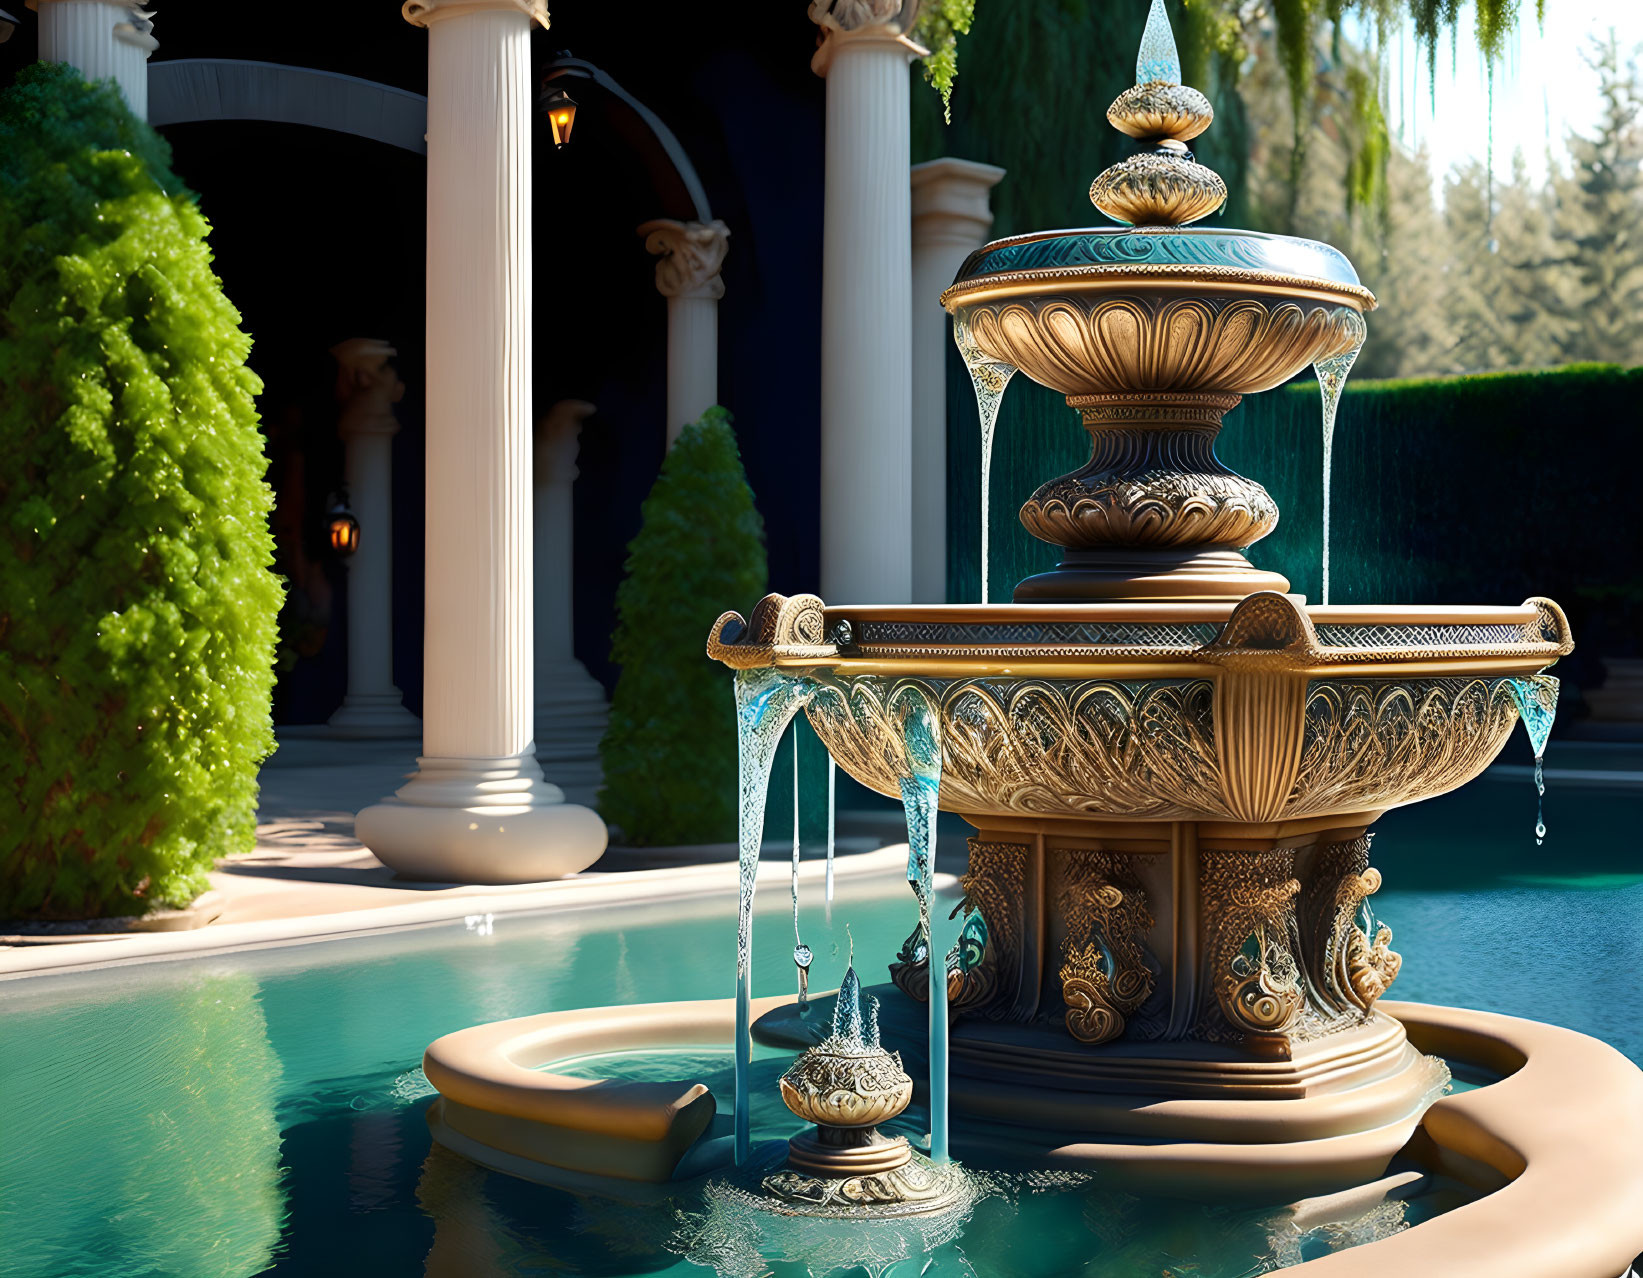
(879, 1178)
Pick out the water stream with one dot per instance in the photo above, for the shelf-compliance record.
(1536, 697)
(832, 771)
(920, 793)
(766, 702)
(1332, 374)
(801, 952)
(989, 377)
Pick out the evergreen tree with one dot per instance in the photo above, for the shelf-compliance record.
(1599, 222)
(670, 752)
(137, 605)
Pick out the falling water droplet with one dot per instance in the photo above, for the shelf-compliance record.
(989, 377)
(1536, 698)
(1332, 374)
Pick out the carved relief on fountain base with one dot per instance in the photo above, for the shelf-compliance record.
(1245, 936)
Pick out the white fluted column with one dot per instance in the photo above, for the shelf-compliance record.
(866, 347)
(951, 220)
(692, 254)
(368, 388)
(571, 712)
(477, 809)
(103, 40)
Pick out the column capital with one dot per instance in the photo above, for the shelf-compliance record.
(558, 441)
(691, 255)
(137, 30)
(950, 198)
(863, 22)
(421, 13)
(367, 387)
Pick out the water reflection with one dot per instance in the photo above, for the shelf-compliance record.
(144, 1131)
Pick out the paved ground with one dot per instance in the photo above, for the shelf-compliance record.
(307, 861)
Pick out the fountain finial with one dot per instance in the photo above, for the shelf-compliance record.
(1163, 186)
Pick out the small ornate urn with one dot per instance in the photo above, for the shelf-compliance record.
(846, 1085)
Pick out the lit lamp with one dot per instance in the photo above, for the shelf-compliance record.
(561, 116)
(341, 528)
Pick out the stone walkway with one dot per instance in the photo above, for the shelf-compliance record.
(308, 863)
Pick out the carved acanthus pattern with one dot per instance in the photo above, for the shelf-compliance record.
(1370, 743)
(1152, 488)
(976, 981)
(1247, 904)
(1091, 747)
(1347, 969)
(1115, 343)
(1104, 973)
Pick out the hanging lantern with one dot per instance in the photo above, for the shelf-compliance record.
(561, 116)
(342, 529)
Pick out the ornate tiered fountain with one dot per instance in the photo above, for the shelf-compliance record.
(1172, 764)
(1164, 967)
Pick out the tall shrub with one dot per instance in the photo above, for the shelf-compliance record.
(137, 604)
(670, 752)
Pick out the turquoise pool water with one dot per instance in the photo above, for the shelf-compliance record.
(260, 1112)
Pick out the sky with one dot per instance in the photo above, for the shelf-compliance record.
(1542, 87)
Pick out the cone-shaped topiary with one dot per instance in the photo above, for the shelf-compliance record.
(137, 604)
(670, 752)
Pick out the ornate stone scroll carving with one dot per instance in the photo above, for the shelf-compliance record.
(982, 974)
(691, 254)
(853, 15)
(1247, 906)
(1039, 746)
(1372, 742)
(419, 13)
(778, 627)
(1152, 480)
(1347, 969)
(1104, 972)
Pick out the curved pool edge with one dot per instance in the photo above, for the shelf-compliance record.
(511, 1114)
(1563, 1132)
(585, 891)
(1554, 1144)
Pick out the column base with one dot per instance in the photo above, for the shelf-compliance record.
(471, 820)
(571, 717)
(374, 716)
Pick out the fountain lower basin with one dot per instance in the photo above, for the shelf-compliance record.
(1551, 1147)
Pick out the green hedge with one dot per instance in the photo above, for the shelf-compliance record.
(1483, 489)
(137, 607)
(669, 754)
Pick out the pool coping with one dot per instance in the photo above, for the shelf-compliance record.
(577, 892)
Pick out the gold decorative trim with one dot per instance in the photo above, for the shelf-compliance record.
(1157, 188)
(1346, 968)
(1104, 973)
(1106, 345)
(1248, 913)
(1160, 110)
(779, 628)
(1105, 278)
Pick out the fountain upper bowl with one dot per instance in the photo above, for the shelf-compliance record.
(1124, 310)
(1252, 711)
